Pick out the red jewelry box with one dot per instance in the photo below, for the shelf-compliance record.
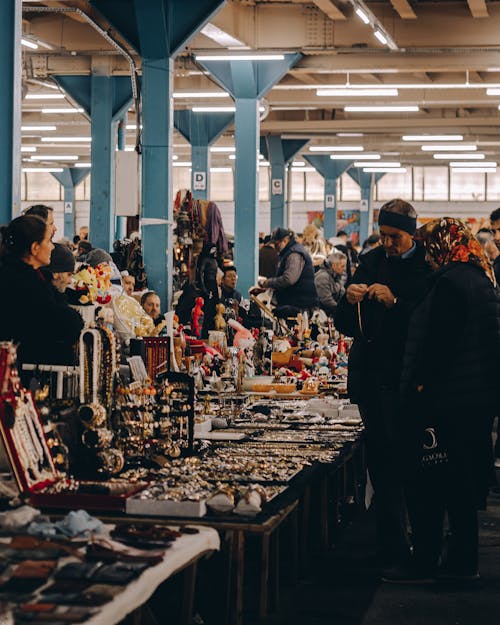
(33, 467)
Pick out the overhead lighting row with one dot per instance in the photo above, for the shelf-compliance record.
(368, 18)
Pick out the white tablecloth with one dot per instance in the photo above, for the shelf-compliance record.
(182, 551)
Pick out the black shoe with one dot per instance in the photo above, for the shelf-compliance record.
(408, 575)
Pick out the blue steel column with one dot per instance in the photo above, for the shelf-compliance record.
(121, 222)
(279, 152)
(70, 178)
(157, 207)
(247, 82)
(366, 181)
(331, 171)
(101, 229)
(10, 109)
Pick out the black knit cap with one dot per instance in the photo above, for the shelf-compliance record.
(280, 233)
(61, 259)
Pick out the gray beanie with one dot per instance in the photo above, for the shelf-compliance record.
(97, 256)
(61, 259)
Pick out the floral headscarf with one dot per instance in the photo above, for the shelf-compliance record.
(450, 240)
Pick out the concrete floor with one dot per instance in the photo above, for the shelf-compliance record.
(343, 587)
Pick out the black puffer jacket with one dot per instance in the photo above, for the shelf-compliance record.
(453, 346)
(377, 353)
(31, 314)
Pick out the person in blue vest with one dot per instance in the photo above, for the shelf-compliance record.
(293, 286)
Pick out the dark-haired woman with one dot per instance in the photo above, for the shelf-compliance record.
(450, 384)
(45, 328)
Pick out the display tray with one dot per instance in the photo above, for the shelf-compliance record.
(164, 507)
(221, 436)
(93, 502)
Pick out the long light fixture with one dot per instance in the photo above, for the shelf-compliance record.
(182, 164)
(218, 109)
(493, 91)
(66, 139)
(370, 19)
(476, 170)
(381, 37)
(303, 170)
(410, 108)
(472, 164)
(461, 147)
(362, 15)
(298, 164)
(45, 96)
(350, 134)
(386, 164)
(357, 92)
(53, 157)
(82, 164)
(38, 128)
(353, 157)
(54, 170)
(222, 148)
(425, 138)
(336, 148)
(131, 127)
(220, 170)
(29, 44)
(27, 148)
(59, 111)
(476, 156)
(221, 37)
(402, 85)
(200, 94)
(385, 170)
(240, 57)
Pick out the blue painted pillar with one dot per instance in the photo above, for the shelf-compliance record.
(70, 178)
(366, 181)
(279, 152)
(247, 82)
(157, 206)
(10, 109)
(201, 130)
(331, 171)
(121, 222)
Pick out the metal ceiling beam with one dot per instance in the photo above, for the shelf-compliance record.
(477, 8)
(330, 9)
(404, 9)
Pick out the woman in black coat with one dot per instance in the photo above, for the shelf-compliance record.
(45, 328)
(451, 395)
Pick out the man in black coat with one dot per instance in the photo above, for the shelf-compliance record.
(375, 310)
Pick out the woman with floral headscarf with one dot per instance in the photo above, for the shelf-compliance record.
(450, 389)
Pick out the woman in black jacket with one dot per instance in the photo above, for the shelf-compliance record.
(45, 328)
(449, 388)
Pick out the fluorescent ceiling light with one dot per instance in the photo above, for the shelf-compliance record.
(264, 164)
(42, 169)
(131, 127)
(413, 85)
(336, 148)
(478, 170)
(129, 148)
(62, 111)
(218, 109)
(350, 134)
(424, 138)
(45, 96)
(303, 169)
(81, 164)
(50, 157)
(174, 157)
(493, 91)
(222, 148)
(362, 15)
(476, 156)
(27, 148)
(294, 108)
(232, 157)
(386, 170)
(386, 164)
(29, 44)
(200, 94)
(221, 36)
(461, 147)
(40, 128)
(381, 37)
(357, 92)
(472, 164)
(66, 139)
(220, 170)
(381, 109)
(240, 57)
(182, 164)
(298, 164)
(359, 157)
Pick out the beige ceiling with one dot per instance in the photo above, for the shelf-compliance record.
(449, 51)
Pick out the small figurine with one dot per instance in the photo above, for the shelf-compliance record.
(242, 334)
(219, 321)
(197, 317)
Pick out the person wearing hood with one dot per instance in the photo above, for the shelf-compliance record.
(62, 266)
(329, 281)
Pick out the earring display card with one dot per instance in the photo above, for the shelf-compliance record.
(178, 395)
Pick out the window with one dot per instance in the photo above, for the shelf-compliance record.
(350, 190)
(493, 186)
(264, 173)
(221, 186)
(467, 186)
(297, 186)
(315, 186)
(418, 184)
(43, 186)
(395, 185)
(436, 183)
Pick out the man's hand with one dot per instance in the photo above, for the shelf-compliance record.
(356, 292)
(256, 290)
(382, 294)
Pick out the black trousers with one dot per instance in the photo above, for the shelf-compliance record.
(381, 418)
(457, 488)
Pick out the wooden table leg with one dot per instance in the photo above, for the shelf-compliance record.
(189, 585)
(264, 576)
(238, 567)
